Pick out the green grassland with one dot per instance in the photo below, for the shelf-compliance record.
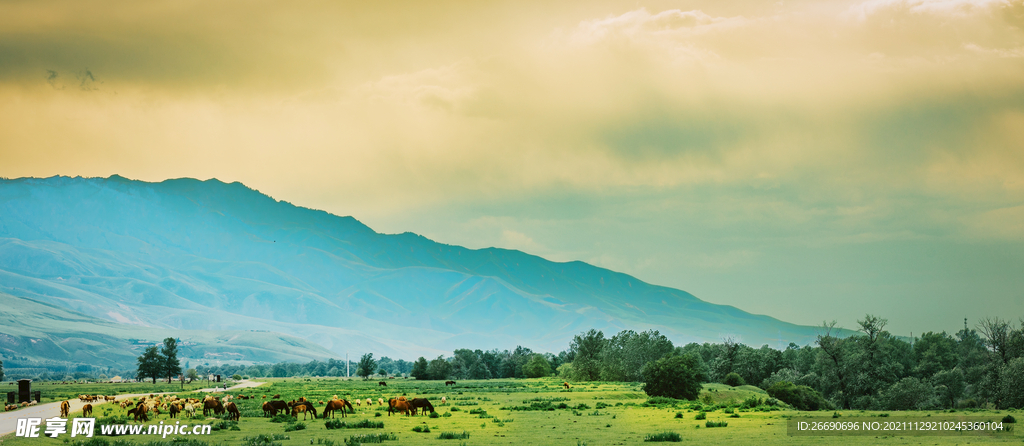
(525, 412)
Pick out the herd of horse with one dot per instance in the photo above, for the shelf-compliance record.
(174, 405)
(400, 405)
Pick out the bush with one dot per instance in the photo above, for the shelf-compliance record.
(701, 416)
(282, 418)
(664, 436)
(434, 415)
(679, 414)
(422, 429)
(733, 379)
(357, 440)
(800, 397)
(1009, 419)
(716, 423)
(295, 427)
(674, 376)
(453, 435)
(361, 424)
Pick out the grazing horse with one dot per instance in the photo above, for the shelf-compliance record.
(267, 409)
(140, 412)
(400, 405)
(369, 402)
(566, 384)
(380, 401)
(87, 410)
(382, 383)
(444, 400)
(303, 407)
(190, 410)
(214, 405)
(422, 402)
(172, 410)
(65, 407)
(334, 405)
(449, 383)
(232, 410)
(278, 406)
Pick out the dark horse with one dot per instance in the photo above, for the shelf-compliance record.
(449, 383)
(422, 402)
(334, 405)
(277, 406)
(382, 383)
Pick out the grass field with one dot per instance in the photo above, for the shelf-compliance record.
(494, 412)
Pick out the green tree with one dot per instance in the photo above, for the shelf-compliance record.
(800, 397)
(1, 370)
(366, 366)
(949, 386)
(674, 376)
(191, 375)
(585, 351)
(419, 369)
(439, 368)
(172, 366)
(934, 352)
(908, 394)
(733, 379)
(537, 367)
(1011, 382)
(625, 354)
(151, 364)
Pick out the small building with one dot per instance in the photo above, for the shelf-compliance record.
(116, 379)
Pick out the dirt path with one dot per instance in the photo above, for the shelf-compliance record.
(9, 420)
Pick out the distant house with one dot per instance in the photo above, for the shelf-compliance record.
(115, 379)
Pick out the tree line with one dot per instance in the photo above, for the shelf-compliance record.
(870, 370)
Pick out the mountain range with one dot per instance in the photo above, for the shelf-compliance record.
(224, 265)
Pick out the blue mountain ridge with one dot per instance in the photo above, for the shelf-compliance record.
(206, 255)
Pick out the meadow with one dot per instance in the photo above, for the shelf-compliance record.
(514, 412)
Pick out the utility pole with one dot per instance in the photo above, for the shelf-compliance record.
(346, 366)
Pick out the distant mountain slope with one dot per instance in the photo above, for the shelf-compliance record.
(41, 332)
(205, 255)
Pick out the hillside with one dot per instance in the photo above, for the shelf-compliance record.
(204, 255)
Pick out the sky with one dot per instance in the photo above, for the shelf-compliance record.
(808, 160)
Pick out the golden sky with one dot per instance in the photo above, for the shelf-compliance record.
(809, 160)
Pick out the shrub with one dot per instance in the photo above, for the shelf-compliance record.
(453, 435)
(357, 440)
(361, 424)
(800, 397)
(710, 423)
(282, 418)
(295, 427)
(434, 415)
(735, 415)
(1009, 419)
(674, 376)
(679, 414)
(656, 400)
(423, 429)
(664, 436)
(733, 379)
(701, 416)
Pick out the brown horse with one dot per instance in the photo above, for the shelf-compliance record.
(213, 405)
(334, 405)
(87, 410)
(65, 407)
(232, 410)
(566, 384)
(422, 402)
(400, 405)
(140, 412)
(302, 407)
(382, 383)
(449, 383)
